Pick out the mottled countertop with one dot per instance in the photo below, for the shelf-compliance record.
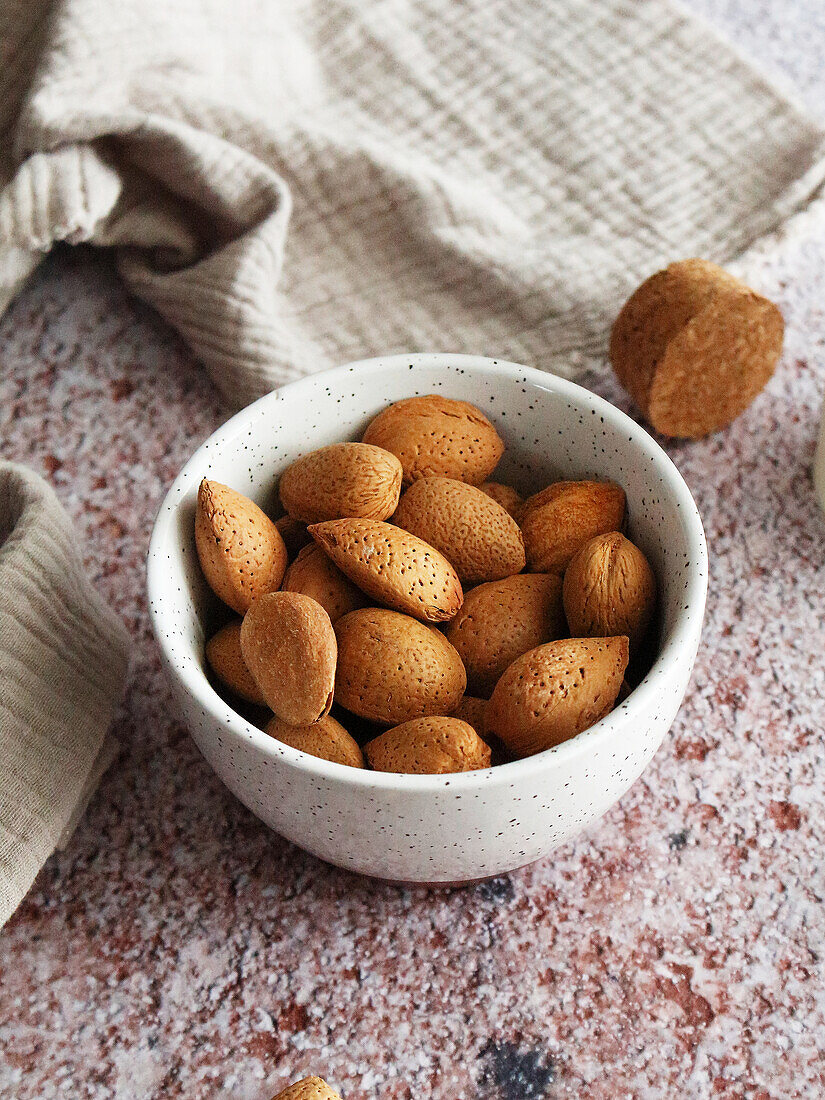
(177, 948)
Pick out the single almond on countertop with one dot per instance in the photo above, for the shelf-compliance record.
(392, 566)
(392, 668)
(294, 534)
(223, 652)
(609, 589)
(289, 646)
(315, 575)
(344, 480)
(310, 1088)
(477, 536)
(437, 436)
(240, 549)
(505, 495)
(429, 746)
(555, 692)
(693, 346)
(503, 619)
(325, 738)
(560, 519)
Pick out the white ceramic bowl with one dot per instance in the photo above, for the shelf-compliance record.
(454, 828)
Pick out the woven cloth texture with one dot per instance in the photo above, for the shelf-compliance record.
(296, 184)
(62, 666)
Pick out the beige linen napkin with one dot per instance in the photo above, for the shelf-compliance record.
(296, 184)
(62, 666)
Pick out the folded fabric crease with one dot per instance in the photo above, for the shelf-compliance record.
(296, 185)
(63, 659)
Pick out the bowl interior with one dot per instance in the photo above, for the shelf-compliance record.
(552, 429)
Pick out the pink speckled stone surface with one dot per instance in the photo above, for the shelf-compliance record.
(179, 949)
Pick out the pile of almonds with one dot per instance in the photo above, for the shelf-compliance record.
(395, 584)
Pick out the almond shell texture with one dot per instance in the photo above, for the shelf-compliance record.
(325, 738)
(693, 346)
(505, 495)
(556, 691)
(471, 710)
(561, 518)
(294, 533)
(392, 667)
(474, 533)
(609, 589)
(314, 574)
(503, 619)
(342, 480)
(438, 436)
(224, 656)
(289, 646)
(241, 552)
(428, 746)
(392, 566)
(310, 1088)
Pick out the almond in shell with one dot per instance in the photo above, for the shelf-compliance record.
(505, 495)
(560, 519)
(428, 746)
(437, 436)
(342, 480)
(694, 346)
(556, 691)
(503, 619)
(310, 1088)
(315, 575)
(289, 646)
(609, 589)
(294, 534)
(240, 549)
(472, 710)
(392, 668)
(392, 566)
(224, 656)
(480, 539)
(325, 738)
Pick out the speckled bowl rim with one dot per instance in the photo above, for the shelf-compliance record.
(680, 640)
